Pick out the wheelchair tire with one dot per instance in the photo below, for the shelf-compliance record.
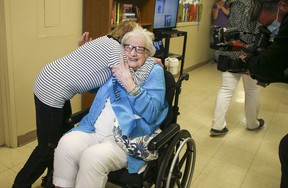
(178, 162)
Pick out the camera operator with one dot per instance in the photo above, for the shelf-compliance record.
(272, 64)
(240, 19)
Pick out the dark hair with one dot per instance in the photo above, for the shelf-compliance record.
(257, 6)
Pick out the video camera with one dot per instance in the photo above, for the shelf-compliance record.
(227, 39)
(230, 40)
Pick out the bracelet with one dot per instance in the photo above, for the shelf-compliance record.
(132, 89)
(135, 91)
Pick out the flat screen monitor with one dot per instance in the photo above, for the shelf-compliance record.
(165, 14)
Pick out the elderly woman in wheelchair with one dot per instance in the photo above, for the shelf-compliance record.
(123, 112)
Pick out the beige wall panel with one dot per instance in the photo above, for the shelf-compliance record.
(41, 31)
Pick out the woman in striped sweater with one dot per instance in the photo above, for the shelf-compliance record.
(83, 70)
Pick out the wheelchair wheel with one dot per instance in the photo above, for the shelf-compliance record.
(178, 162)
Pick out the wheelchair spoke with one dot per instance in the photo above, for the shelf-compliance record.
(184, 158)
(179, 184)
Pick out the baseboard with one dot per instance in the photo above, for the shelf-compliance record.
(26, 138)
(193, 67)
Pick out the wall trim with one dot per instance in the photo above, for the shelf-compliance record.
(193, 67)
(26, 138)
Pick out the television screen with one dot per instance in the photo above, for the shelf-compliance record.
(165, 14)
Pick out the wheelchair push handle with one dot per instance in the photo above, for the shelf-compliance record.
(184, 76)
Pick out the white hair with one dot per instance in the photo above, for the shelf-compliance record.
(147, 35)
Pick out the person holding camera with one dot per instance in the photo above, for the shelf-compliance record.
(272, 64)
(239, 18)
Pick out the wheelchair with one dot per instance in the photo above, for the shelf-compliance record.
(176, 148)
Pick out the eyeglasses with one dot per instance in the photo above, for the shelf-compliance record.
(138, 49)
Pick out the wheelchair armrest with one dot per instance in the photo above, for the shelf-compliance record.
(163, 137)
(76, 117)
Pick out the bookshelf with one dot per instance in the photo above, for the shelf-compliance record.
(97, 16)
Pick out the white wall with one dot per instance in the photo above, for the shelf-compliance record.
(36, 32)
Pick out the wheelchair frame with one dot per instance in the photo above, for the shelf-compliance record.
(177, 152)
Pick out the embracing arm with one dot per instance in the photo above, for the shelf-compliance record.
(147, 100)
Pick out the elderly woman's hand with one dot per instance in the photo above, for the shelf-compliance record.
(158, 61)
(122, 73)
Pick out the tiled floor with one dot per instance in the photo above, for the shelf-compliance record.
(241, 159)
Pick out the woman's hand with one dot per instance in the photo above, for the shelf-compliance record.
(242, 58)
(219, 6)
(84, 39)
(122, 73)
(158, 61)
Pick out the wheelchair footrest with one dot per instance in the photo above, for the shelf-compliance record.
(122, 177)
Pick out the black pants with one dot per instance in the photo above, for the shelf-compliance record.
(283, 155)
(50, 127)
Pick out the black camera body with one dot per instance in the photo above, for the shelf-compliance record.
(230, 40)
(225, 63)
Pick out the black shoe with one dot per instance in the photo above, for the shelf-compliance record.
(215, 132)
(261, 124)
(47, 181)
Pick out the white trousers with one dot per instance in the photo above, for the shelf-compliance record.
(229, 83)
(85, 159)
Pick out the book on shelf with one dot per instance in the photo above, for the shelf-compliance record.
(127, 8)
(129, 19)
(138, 13)
(123, 11)
(129, 15)
(113, 16)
